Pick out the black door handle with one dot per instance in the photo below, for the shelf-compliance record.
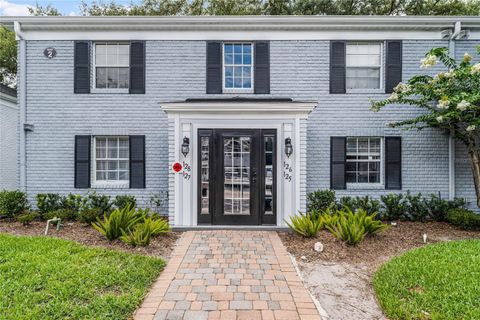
(254, 175)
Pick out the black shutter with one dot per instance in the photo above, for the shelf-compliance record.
(214, 67)
(82, 161)
(137, 161)
(137, 67)
(393, 163)
(393, 73)
(338, 153)
(337, 66)
(81, 82)
(262, 67)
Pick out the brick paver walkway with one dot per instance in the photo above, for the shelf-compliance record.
(228, 275)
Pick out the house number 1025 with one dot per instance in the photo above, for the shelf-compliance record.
(287, 171)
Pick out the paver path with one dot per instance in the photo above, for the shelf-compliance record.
(226, 275)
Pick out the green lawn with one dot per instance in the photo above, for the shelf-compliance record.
(440, 281)
(48, 278)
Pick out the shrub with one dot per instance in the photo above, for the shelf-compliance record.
(463, 218)
(89, 215)
(394, 207)
(305, 225)
(416, 207)
(26, 217)
(47, 202)
(367, 203)
(320, 200)
(118, 222)
(347, 202)
(64, 214)
(13, 203)
(74, 202)
(157, 226)
(139, 236)
(122, 201)
(352, 227)
(438, 207)
(100, 202)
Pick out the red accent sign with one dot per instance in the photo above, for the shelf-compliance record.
(177, 167)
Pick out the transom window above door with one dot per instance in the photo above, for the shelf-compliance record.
(238, 66)
(111, 65)
(364, 66)
(363, 161)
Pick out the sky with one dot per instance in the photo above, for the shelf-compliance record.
(66, 7)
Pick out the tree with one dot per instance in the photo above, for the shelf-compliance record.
(451, 101)
(8, 57)
(39, 10)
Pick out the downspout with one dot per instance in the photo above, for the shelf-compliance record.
(451, 140)
(22, 101)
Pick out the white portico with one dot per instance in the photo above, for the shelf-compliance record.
(237, 168)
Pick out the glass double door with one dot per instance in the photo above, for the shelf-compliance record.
(236, 176)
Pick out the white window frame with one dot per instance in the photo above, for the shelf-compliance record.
(369, 185)
(252, 75)
(382, 68)
(94, 88)
(107, 183)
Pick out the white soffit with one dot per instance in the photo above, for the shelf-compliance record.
(239, 107)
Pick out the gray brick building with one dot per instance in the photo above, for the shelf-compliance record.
(254, 111)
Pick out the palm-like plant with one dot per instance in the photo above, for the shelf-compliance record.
(119, 221)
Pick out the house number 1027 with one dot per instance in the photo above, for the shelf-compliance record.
(287, 171)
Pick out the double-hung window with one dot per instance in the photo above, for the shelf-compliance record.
(364, 66)
(111, 67)
(111, 163)
(364, 163)
(238, 66)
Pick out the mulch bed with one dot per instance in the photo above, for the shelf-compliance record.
(159, 247)
(374, 250)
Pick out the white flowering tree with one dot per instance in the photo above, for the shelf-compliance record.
(451, 101)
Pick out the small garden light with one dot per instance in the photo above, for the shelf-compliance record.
(288, 147)
(185, 146)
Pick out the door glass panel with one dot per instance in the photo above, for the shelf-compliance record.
(205, 179)
(236, 164)
(268, 149)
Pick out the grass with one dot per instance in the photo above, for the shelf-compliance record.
(49, 278)
(440, 281)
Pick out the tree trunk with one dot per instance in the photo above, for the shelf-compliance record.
(474, 155)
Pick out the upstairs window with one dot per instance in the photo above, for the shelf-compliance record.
(363, 66)
(364, 160)
(111, 159)
(111, 65)
(238, 66)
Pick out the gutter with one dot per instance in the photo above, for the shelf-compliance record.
(457, 33)
(22, 102)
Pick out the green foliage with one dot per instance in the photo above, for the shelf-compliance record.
(100, 202)
(42, 11)
(438, 207)
(139, 236)
(13, 203)
(74, 202)
(305, 225)
(351, 227)
(156, 225)
(47, 202)
(367, 203)
(118, 222)
(394, 207)
(122, 201)
(64, 214)
(416, 207)
(8, 57)
(320, 200)
(26, 217)
(50, 278)
(449, 101)
(89, 215)
(438, 281)
(463, 218)
(347, 202)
